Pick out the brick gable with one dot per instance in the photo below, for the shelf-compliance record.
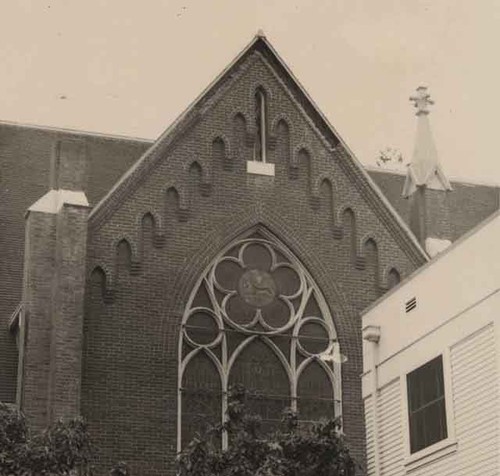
(190, 196)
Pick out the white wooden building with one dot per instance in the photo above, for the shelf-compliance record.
(432, 352)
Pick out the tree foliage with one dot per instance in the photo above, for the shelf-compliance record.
(63, 449)
(289, 451)
(390, 157)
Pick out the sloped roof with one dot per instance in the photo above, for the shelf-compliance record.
(25, 156)
(133, 177)
(487, 227)
(469, 203)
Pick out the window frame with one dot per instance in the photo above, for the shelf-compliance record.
(429, 379)
(292, 366)
(441, 447)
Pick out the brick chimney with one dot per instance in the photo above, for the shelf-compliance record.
(53, 290)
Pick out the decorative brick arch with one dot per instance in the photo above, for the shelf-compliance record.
(273, 226)
(284, 310)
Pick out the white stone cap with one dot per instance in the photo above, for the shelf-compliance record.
(260, 168)
(53, 201)
(434, 246)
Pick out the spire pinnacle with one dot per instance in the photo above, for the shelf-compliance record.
(424, 169)
(422, 100)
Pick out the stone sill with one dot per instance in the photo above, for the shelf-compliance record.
(260, 168)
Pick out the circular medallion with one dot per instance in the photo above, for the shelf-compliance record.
(257, 288)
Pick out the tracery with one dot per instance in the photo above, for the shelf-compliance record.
(256, 318)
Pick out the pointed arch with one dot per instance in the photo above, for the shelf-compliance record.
(301, 161)
(262, 352)
(98, 281)
(195, 169)
(371, 255)
(393, 278)
(221, 152)
(195, 172)
(123, 254)
(239, 138)
(281, 123)
(316, 397)
(176, 202)
(200, 394)
(199, 174)
(260, 370)
(281, 131)
(348, 220)
(148, 225)
(261, 124)
(322, 196)
(127, 259)
(151, 231)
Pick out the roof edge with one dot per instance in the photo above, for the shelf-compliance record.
(453, 179)
(100, 135)
(138, 164)
(372, 192)
(449, 249)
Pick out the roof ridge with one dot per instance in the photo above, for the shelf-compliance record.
(452, 178)
(348, 161)
(75, 131)
(96, 211)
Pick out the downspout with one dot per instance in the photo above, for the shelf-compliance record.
(372, 335)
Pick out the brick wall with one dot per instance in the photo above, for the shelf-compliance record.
(39, 272)
(26, 154)
(54, 286)
(142, 279)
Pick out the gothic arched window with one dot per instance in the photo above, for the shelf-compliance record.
(256, 318)
(260, 148)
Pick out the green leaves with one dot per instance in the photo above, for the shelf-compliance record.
(60, 450)
(290, 451)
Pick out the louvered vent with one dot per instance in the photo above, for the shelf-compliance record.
(411, 304)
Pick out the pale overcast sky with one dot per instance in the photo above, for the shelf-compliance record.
(130, 67)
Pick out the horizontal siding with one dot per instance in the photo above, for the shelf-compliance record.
(474, 376)
(390, 431)
(475, 402)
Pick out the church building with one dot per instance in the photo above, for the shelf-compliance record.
(139, 280)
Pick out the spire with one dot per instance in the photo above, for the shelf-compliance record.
(424, 169)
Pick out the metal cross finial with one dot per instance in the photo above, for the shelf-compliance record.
(422, 100)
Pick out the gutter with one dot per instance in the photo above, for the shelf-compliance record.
(372, 335)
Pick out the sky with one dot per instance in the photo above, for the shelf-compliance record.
(130, 67)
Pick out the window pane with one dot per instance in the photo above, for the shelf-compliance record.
(315, 394)
(262, 374)
(201, 397)
(426, 405)
(435, 416)
(417, 432)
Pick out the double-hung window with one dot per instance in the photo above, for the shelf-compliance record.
(426, 405)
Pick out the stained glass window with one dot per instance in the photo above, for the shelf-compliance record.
(256, 318)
